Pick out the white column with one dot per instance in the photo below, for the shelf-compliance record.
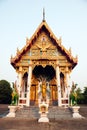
(29, 85)
(67, 81)
(67, 84)
(17, 83)
(58, 84)
(20, 81)
(22, 92)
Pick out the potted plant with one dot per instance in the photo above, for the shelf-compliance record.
(73, 102)
(14, 98)
(73, 98)
(14, 104)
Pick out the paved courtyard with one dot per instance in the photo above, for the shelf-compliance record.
(26, 124)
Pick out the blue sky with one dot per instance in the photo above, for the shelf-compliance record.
(67, 19)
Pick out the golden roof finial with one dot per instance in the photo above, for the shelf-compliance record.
(17, 50)
(43, 14)
(60, 40)
(27, 40)
(11, 56)
(76, 57)
(70, 50)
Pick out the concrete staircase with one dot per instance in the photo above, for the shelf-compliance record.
(28, 112)
(55, 113)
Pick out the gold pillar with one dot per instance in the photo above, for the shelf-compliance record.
(36, 102)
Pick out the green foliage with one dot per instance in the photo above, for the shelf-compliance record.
(14, 97)
(77, 97)
(85, 95)
(73, 95)
(80, 97)
(5, 92)
(73, 98)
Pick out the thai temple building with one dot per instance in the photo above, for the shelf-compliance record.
(43, 67)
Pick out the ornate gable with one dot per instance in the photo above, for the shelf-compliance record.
(43, 45)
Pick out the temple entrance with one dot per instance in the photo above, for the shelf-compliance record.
(43, 84)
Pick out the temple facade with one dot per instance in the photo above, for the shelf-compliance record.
(43, 66)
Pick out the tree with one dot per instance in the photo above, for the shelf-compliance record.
(5, 92)
(80, 97)
(85, 95)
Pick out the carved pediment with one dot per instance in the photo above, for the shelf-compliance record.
(43, 45)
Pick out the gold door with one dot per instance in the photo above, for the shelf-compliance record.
(32, 94)
(54, 96)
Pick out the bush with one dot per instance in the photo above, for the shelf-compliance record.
(5, 92)
(85, 95)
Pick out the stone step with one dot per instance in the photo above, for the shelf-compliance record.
(59, 113)
(28, 112)
(53, 113)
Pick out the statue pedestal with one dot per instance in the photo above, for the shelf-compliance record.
(12, 110)
(43, 118)
(75, 110)
(43, 112)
